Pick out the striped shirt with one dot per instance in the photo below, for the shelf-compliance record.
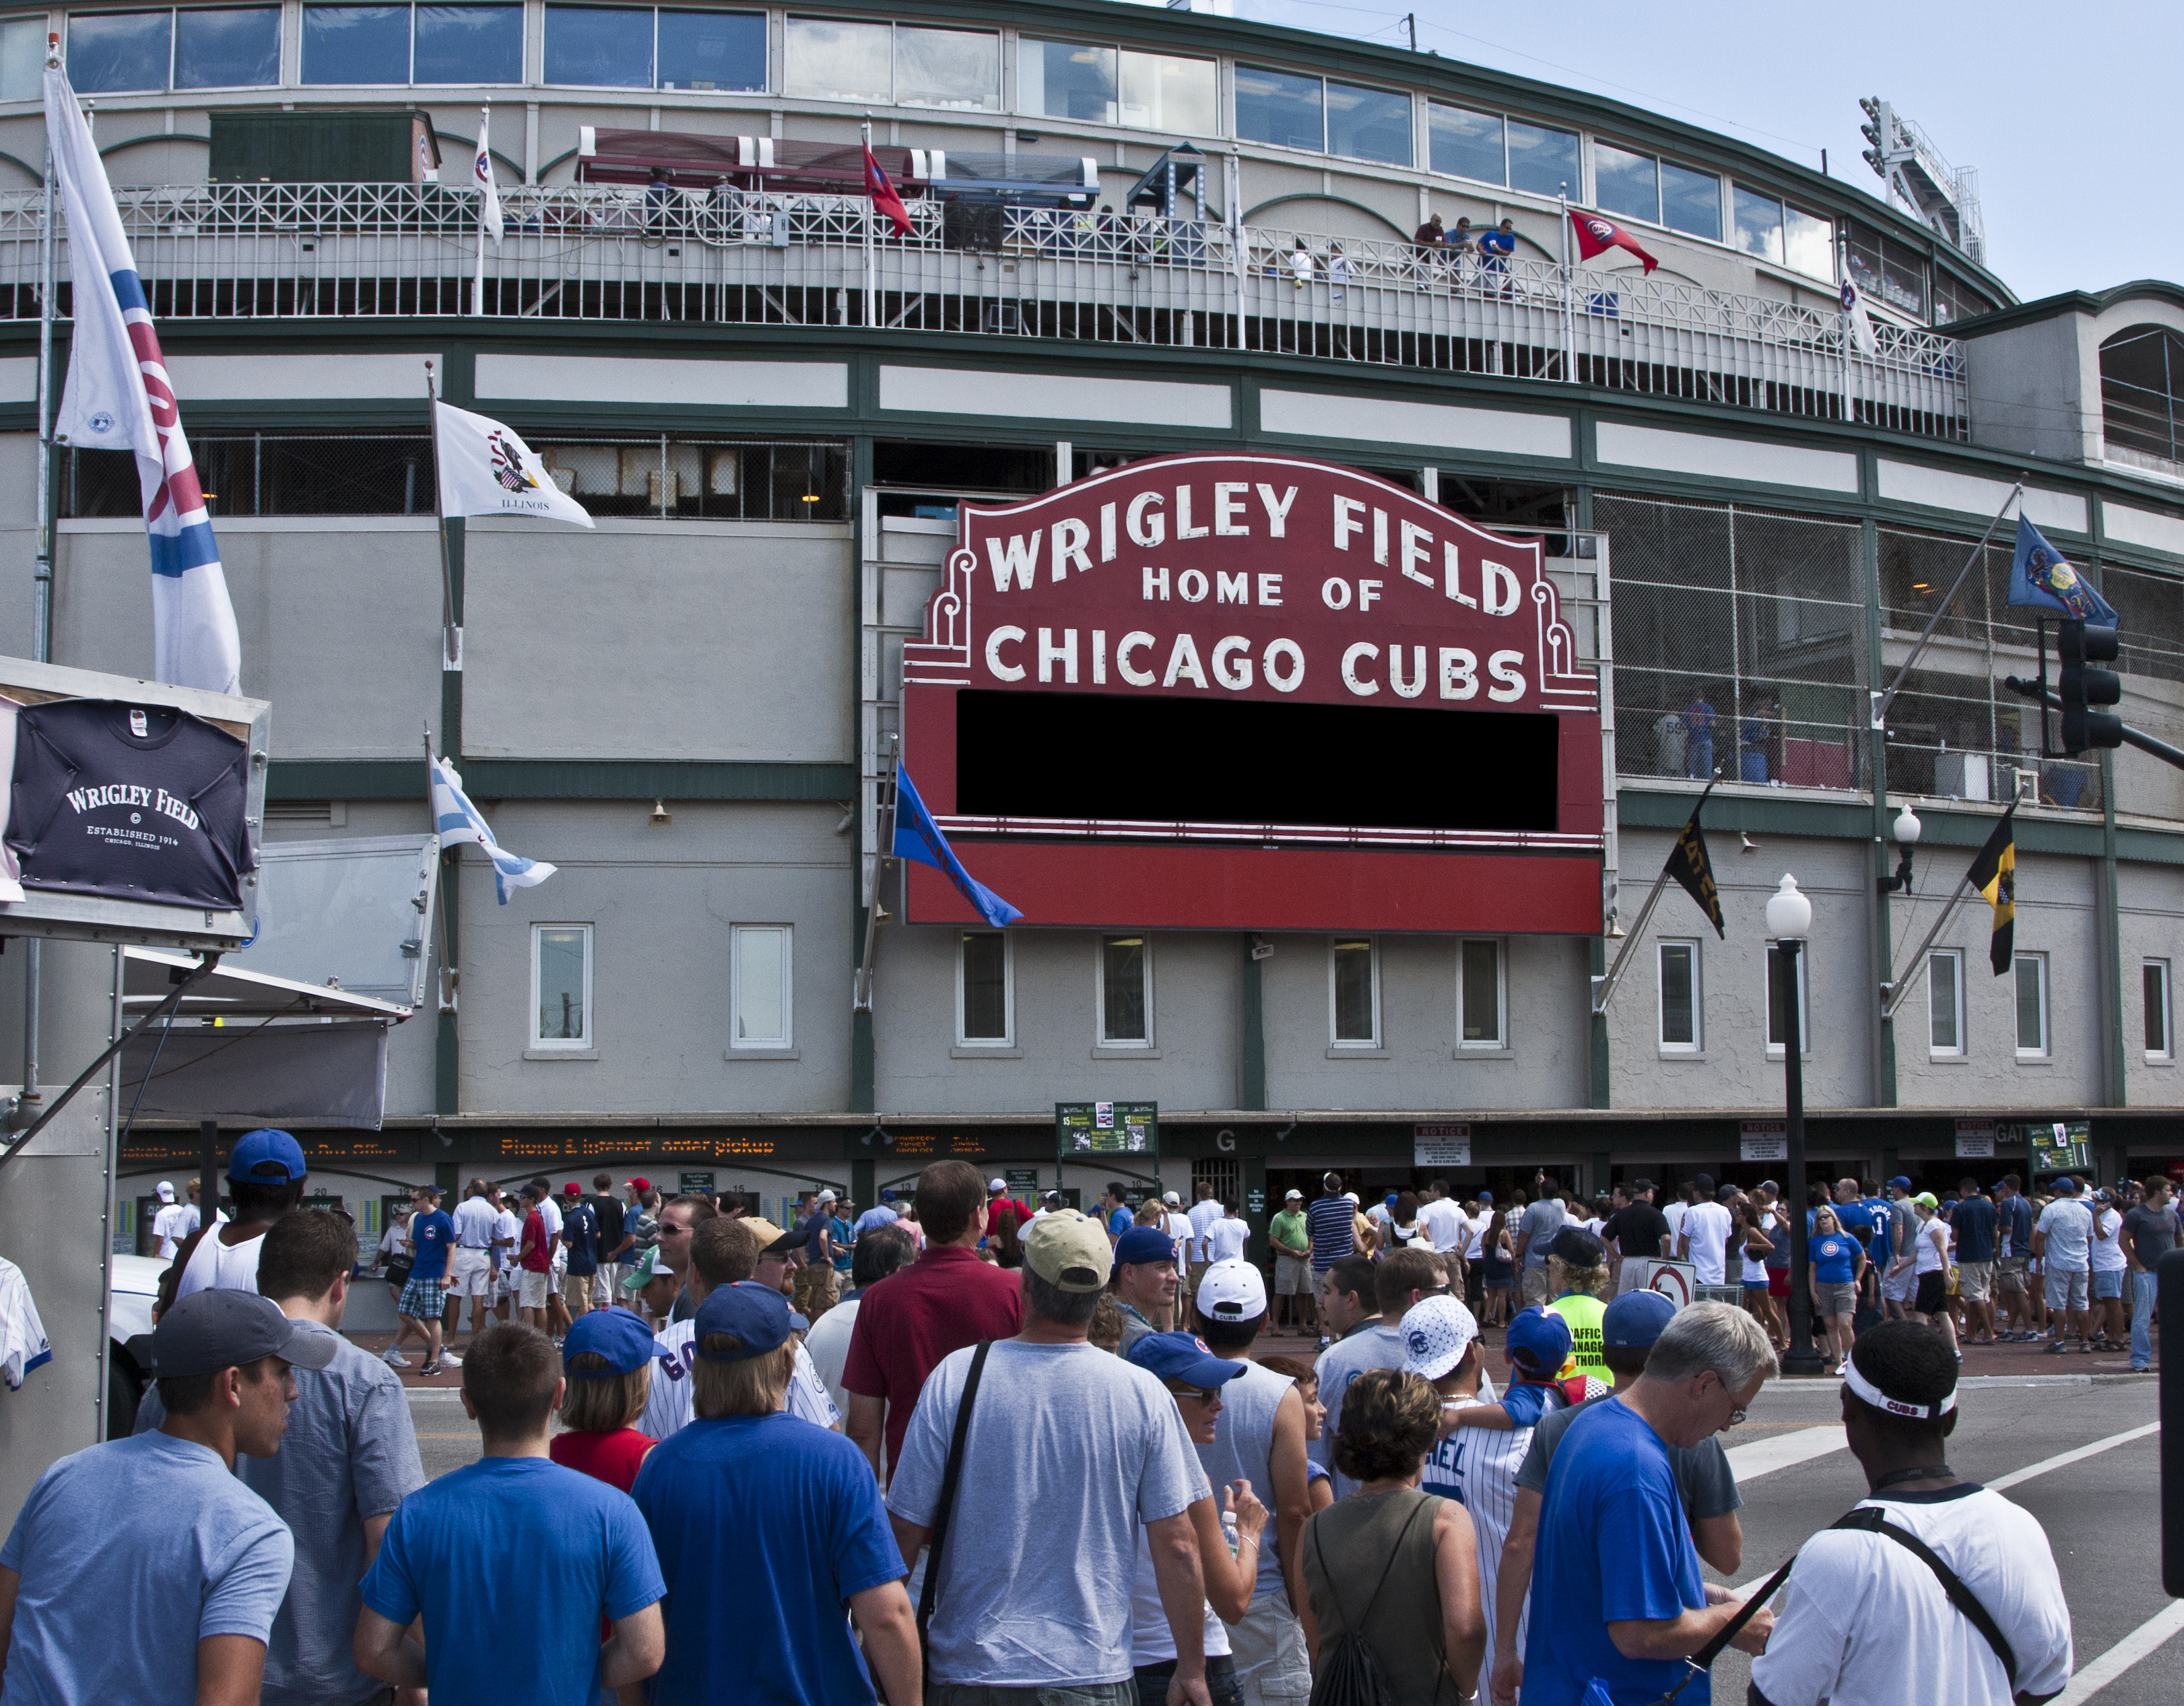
(1329, 1221)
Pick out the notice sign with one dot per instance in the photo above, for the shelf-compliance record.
(1763, 1139)
(1441, 1146)
(1975, 1140)
(1107, 1127)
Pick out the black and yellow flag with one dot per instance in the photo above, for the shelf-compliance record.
(1994, 874)
(1689, 864)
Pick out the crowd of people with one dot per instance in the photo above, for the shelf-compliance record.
(1024, 1454)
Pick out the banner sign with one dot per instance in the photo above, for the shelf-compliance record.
(1763, 1139)
(1230, 691)
(1441, 1146)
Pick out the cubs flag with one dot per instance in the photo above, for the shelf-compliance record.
(486, 469)
(458, 822)
(118, 397)
(2041, 580)
(885, 198)
(917, 836)
(1596, 236)
(1690, 865)
(1856, 321)
(482, 171)
(1994, 874)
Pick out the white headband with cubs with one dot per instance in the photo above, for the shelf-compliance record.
(1880, 1400)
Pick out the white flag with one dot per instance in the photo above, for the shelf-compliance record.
(118, 398)
(486, 469)
(1856, 321)
(482, 170)
(458, 822)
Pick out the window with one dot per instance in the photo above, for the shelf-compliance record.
(622, 48)
(1758, 224)
(1888, 269)
(2153, 985)
(2143, 391)
(562, 986)
(1785, 236)
(1368, 124)
(2031, 1006)
(1354, 993)
(1690, 201)
(1680, 997)
(22, 58)
(420, 44)
(899, 63)
(1955, 300)
(712, 50)
(1126, 993)
(1808, 244)
(1160, 93)
(1479, 996)
(1106, 86)
(759, 975)
(1777, 1020)
(1658, 191)
(112, 52)
(1465, 144)
(1543, 160)
(1293, 112)
(600, 47)
(1945, 1005)
(983, 991)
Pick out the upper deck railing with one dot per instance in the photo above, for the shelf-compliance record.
(599, 253)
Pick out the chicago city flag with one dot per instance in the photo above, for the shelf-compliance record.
(118, 397)
(486, 469)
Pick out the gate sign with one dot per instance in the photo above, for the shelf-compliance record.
(1254, 692)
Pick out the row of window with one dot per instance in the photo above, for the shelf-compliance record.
(761, 988)
(1946, 1035)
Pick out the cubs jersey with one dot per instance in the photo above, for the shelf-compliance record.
(23, 1344)
(669, 1407)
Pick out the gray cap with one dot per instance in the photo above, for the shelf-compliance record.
(209, 1331)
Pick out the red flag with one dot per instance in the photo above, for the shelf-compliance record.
(884, 195)
(1596, 235)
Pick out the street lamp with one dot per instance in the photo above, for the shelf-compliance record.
(1788, 921)
(1907, 828)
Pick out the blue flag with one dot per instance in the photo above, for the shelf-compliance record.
(917, 836)
(2040, 580)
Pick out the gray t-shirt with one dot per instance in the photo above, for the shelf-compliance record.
(130, 1553)
(1703, 1476)
(2069, 1224)
(350, 1453)
(2150, 1233)
(1083, 1448)
(1542, 1219)
(1377, 1347)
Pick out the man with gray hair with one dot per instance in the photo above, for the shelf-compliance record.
(1615, 1556)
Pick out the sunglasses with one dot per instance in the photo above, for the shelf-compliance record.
(1199, 1395)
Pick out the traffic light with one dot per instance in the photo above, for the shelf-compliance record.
(2082, 644)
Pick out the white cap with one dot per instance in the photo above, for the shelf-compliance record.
(1350, 1197)
(1437, 1333)
(1294, 1196)
(828, 1196)
(1173, 1200)
(997, 1184)
(1232, 1290)
(166, 1189)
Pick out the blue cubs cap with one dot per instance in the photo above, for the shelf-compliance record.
(266, 1156)
(756, 1317)
(1485, 1196)
(1635, 1320)
(1899, 1183)
(620, 1336)
(888, 1195)
(1183, 1357)
(1144, 1244)
(1539, 1341)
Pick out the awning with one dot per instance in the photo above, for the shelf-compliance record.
(692, 161)
(1027, 180)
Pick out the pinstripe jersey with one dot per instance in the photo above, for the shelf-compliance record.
(1477, 1467)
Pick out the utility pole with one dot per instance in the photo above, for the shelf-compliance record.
(1411, 20)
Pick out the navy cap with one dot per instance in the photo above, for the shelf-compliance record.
(255, 1153)
(207, 1331)
(2064, 1186)
(1703, 1181)
(1578, 1247)
(1485, 1196)
(617, 1334)
(1539, 1341)
(1635, 1320)
(1183, 1357)
(755, 1316)
(1899, 1183)
(1144, 1244)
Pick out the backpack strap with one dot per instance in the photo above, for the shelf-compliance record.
(948, 1477)
(1334, 1593)
(1874, 1520)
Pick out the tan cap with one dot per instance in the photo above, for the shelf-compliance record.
(1065, 1250)
(768, 1233)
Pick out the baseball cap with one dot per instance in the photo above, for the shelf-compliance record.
(1539, 1341)
(887, 1196)
(1294, 1196)
(755, 1316)
(771, 1239)
(1437, 1333)
(166, 1189)
(1389, 1201)
(1635, 1320)
(1144, 1244)
(997, 1184)
(1485, 1196)
(209, 1331)
(1899, 1183)
(827, 1197)
(572, 1189)
(1703, 1181)
(266, 1156)
(2066, 1186)
(648, 1268)
(1350, 1197)
(1067, 1250)
(1232, 1290)
(1173, 1200)
(1578, 1247)
(620, 1336)
(426, 1188)
(1926, 1199)
(640, 1185)
(1183, 1357)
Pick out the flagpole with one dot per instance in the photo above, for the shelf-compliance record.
(871, 257)
(861, 1000)
(1603, 987)
(1896, 991)
(478, 284)
(1570, 307)
(1882, 701)
(1842, 274)
(451, 638)
(42, 570)
(451, 860)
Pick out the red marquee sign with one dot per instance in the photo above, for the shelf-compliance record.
(1255, 693)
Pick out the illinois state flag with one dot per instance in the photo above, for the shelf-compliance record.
(118, 397)
(1596, 236)
(885, 198)
(487, 470)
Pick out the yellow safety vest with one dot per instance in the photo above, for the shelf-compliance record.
(1583, 1311)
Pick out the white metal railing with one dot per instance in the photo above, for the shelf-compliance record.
(600, 253)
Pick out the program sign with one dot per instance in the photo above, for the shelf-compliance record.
(1256, 692)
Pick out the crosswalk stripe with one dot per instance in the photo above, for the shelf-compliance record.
(2138, 1644)
(2063, 1459)
(1785, 1450)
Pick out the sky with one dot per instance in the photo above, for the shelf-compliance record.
(2003, 86)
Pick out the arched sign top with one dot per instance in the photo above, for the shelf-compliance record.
(1265, 577)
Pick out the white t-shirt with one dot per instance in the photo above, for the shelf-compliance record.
(1862, 1614)
(1225, 1238)
(2068, 1225)
(1176, 1224)
(827, 1345)
(1201, 1216)
(669, 1407)
(1151, 1641)
(2108, 1255)
(474, 1219)
(1930, 1248)
(1708, 1225)
(1674, 1214)
(167, 1227)
(550, 1211)
(508, 1228)
(1443, 1222)
(1474, 1245)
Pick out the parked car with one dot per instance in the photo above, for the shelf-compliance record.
(129, 1313)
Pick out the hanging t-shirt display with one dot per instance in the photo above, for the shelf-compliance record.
(137, 802)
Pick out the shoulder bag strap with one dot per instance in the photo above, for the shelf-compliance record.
(1702, 1661)
(948, 1477)
(1334, 1593)
(1875, 1521)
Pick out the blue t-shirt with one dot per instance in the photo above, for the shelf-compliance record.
(1613, 1546)
(130, 1553)
(1877, 1216)
(580, 1230)
(432, 1234)
(765, 1526)
(2020, 1213)
(1527, 1402)
(1975, 1223)
(1834, 1257)
(534, 1553)
(838, 1230)
(1121, 1221)
(1497, 242)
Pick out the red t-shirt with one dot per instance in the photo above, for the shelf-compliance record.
(538, 1256)
(946, 1299)
(613, 1458)
(1004, 1209)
